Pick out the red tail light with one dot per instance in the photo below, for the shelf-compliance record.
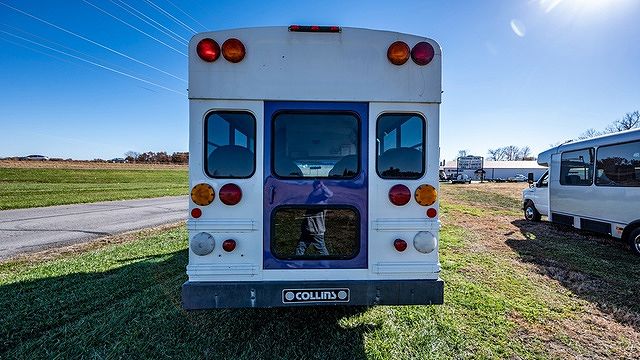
(422, 53)
(208, 50)
(233, 50)
(398, 53)
(400, 245)
(196, 213)
(230, 194)
(432, 212)
(229, 245)
(399, 195)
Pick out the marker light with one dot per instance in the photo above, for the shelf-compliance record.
(400, 245)
(229, 245)
(202, 194)
(399, 195)
(315, 28)
(196, 213)
(233, 50)
(230, 194)
(398, 53)
(422, 53)
(426, 195)
(208, 50)
(431, 212)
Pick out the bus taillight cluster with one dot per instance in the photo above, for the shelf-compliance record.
(425, 195)
(421, 54)
(203, 195)
(233, 50)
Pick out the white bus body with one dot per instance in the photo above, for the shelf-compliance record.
(593, 185)
(299, 126)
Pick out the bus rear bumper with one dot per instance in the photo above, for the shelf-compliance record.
(243, 294)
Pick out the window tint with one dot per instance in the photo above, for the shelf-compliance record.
(316, 145)
(315, 233)
(400, 146)
(618, 165)
(576, 168)
(230, 139)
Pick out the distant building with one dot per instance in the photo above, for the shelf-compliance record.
(497, 169)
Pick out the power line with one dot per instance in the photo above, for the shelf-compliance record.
(170, 16)
(189, 16)
(157, 25)
(93, 42)
(135, 28)
(94, 63)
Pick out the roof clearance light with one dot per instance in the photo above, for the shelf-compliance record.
(426, 195)
(208, 50)
(233, 50)
(202, 194)
(398, 53)
(400, 245)
(399, 195)
(422, 53)
(315, 28)
(230, 194)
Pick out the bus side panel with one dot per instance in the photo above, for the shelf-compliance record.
(389, 222)
(241, 222)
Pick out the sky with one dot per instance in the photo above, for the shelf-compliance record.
(519, 72)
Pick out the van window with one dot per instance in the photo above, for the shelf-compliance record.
(230, 142)
(618, 165)
(316, 145)
(576, 168)
(400, 141)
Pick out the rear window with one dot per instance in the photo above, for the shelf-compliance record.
(576, 168)
(400, 141)
(316, 145)
(230, 143)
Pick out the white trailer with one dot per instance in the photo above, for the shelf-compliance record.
(591, 185)
(314, 168)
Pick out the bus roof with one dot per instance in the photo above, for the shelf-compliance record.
(544, 158)
(351, 65)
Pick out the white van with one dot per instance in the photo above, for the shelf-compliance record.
(591, 185)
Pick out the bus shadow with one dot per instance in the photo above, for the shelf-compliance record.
(594, 267)
(134, 310)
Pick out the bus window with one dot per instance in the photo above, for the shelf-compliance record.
(230, 139)
(400, 146)
(618, 165)
(576, 168)
(316, 145)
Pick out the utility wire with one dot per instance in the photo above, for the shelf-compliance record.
(189, 16)
(135, 28)
(94, 63)
(166, 13)
(93, 42)
(149, 21)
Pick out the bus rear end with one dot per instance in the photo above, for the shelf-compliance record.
(313, 167)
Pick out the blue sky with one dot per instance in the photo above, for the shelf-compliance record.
(529, 72)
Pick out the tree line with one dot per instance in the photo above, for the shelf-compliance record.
(157, 157)
(630, 120)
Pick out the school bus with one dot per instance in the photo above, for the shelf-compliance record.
(313, 168)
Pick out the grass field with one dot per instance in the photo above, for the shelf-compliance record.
(513, 290)
(23, 187)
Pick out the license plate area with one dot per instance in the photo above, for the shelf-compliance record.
(324, 295)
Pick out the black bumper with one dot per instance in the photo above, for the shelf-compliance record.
(210, 295)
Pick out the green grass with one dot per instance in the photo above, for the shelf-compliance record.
(24, 188)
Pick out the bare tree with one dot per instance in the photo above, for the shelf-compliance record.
(463, 153)
(511, 152)
(525, 153)
(589, 133)
(131, 155)
(629, 121)
(496, 154)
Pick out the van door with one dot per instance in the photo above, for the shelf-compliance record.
(315, 186)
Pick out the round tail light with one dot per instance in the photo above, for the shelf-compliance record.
(196, 213)
(399, 195)
(202, 194)
(230, 194)
(398, 53)
(208, 50)
(400, 245)
(431, 213)
(426, 195)
(422, 53)
(233, 50)
(229, 245)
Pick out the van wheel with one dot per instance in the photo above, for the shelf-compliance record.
(530, 212)
(634, 241)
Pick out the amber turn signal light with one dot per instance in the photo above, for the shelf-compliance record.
(398, 53)
(426, 195)
(202, 194)
(233, 50)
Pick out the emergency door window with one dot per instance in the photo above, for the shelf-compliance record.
(230, 139)
(576, 168)
(315, 232)
(400, 142)
(618, 165)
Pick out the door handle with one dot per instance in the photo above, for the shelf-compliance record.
(272, 194)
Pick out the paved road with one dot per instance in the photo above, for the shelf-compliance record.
(25, 230)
